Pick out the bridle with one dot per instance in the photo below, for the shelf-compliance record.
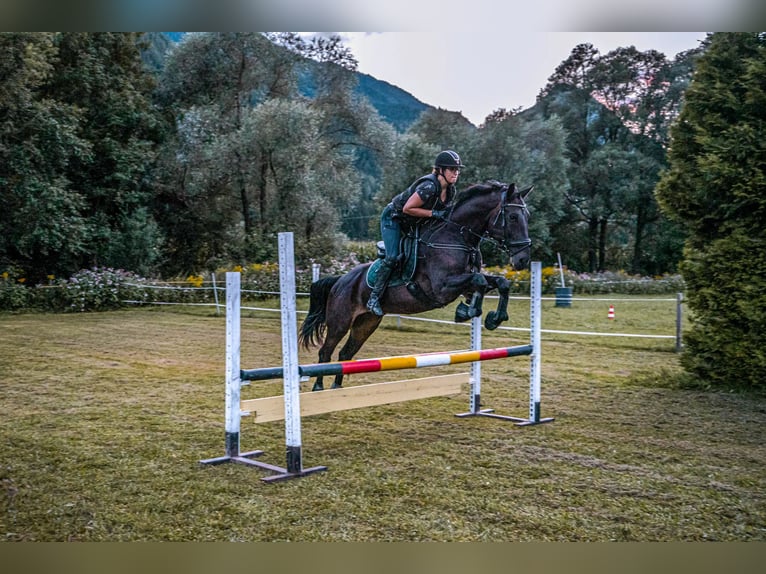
(512, 248)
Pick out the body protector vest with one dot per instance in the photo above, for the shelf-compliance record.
(428, 188)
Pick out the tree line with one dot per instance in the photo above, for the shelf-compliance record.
(113, 153)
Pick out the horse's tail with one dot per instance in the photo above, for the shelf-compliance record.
(314, 325)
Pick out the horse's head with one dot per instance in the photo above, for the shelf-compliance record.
(496, 211)
(508, 225)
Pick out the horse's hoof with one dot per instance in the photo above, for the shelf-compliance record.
(462, 313)
(317, 387)
(494, 319)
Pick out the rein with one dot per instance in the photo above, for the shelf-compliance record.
(509, 247)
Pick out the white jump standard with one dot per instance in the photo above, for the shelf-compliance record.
(292, 405)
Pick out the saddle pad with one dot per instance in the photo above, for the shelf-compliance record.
(404, 272)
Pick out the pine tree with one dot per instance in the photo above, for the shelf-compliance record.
(716, 189)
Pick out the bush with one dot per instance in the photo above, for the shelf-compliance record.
(726, 345)
(606, 282)
(104, 289)
(91, 290)
(13, 293)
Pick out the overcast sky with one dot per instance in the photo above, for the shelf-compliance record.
(478, 76)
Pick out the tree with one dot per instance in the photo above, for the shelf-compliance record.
(527, 150)
(354, 131)
(209, 201)
(43, 229)
(305, 180)
(446, 130)
(76, 139)
(615, 109)
(225, 74)
(102, 76)
(260, 156)
(715, 188)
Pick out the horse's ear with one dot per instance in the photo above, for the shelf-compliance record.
(526, 192)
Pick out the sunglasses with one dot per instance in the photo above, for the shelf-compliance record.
(453, 169)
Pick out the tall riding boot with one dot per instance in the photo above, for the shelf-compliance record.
(384, 272)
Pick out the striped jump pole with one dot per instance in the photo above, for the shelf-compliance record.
(389, 363)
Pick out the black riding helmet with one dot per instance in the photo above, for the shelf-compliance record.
(448, 158)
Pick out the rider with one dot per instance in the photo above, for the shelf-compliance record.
(428, 196)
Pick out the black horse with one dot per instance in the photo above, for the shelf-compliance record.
(448, 266)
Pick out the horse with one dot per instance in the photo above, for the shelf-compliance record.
(448, 266)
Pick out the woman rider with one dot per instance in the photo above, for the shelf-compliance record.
(428, 196)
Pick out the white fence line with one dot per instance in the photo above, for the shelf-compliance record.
(399, 318)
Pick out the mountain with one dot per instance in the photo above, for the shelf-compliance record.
(395, 105)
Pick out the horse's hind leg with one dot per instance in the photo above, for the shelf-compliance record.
(364, 326)
(335, 332)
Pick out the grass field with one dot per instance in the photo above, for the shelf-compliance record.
(105, 416)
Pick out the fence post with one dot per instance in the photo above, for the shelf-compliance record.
(215, 294)
(679, 316)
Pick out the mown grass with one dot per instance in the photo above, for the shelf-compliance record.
(105, 417)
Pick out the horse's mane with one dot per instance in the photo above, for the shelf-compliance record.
(476, 190)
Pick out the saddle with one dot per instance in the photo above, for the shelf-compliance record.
(408, 261)
(405, 270)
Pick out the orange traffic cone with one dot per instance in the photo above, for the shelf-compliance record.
(611, 312)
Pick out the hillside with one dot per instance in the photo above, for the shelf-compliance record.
(395, 105)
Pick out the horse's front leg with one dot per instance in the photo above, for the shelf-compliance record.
(500, 314)
(477, 286)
